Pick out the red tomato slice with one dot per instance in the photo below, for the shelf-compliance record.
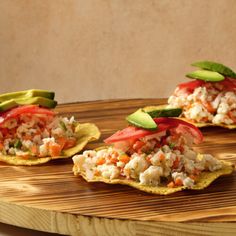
(229, 84)
(183, 125)
(164, 123)
(190, 86)
(131, 132)
(28, 109)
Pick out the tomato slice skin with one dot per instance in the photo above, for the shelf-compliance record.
(196, 133)
(27, 109)
(130, 132)
(229, 84)
(190, 86)
(164, 123)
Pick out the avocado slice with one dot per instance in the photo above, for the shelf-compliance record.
(41, 101)
(44, 102)
(7, 105)
(162, 111)
(206, 75)
(217, 67)
(142, 119)
(27, 94)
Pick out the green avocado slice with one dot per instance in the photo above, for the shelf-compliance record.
(44, 102)
(142, 119)
(7, 105)
(162, 111)
(27, 94)
(206, 75)
(41, 101)
(217, 67)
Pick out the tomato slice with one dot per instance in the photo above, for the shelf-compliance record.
(164, 123)
(27, 109)
(131, 132)
(190, 86)
(183, 126)
(229, 84)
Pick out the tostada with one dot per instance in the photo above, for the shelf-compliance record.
(210, 98)
(31, 133)
(152, 155)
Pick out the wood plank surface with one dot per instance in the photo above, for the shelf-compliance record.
(50, 198)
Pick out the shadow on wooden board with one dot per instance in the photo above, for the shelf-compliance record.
(9, 230)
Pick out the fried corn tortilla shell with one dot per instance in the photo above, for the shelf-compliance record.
(199, 125)
(86, 132)
(204, 180)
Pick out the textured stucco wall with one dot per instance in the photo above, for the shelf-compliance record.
(96, 49)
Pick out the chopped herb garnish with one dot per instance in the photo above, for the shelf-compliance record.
(17, 144)
(171, 145)
(63, 126)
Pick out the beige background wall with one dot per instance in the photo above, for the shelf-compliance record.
(97, 49)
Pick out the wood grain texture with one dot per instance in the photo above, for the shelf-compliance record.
(50, 198)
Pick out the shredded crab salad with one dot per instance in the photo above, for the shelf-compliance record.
(161, 158)
(30, 131)
(207, 102)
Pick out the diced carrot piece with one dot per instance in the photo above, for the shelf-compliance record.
(192, 120)
(188, 106)
(101, 161)
(124, 158)
(193, 177)
(96, 173)
(34, 149)
(162, 157)
(54, 149)
(70, 142)
(176, 163)
(204, 119)
(26, 156)
(1, 146)
(61, 141)
(114, 160)
(209, 107)
(148, 158)
(38, 132)
(27, 137)
(179, 182)
(171, 184)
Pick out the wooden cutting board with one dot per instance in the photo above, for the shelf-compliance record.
(50, 198)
